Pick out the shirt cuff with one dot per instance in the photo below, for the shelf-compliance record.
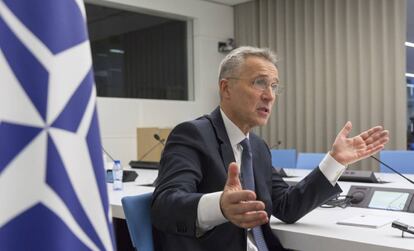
(331, 169)
(209, 212)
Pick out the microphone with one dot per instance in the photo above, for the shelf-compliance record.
(159, 141)
(107, 154)
(279, 142)
(403, 227)
(128, 176)
(158, 138)
(392, 169)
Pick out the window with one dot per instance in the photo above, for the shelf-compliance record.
(137, 55)
(410, 74)
(410, 113)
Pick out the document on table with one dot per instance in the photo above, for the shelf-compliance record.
(366, 220)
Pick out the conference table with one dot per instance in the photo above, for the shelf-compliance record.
(318, 230)
(142, 184)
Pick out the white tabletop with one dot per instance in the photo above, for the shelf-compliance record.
(139, 186)
(318, 230)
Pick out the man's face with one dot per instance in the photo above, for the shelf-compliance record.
(245, 104)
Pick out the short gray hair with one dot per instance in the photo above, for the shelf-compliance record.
(236, 58)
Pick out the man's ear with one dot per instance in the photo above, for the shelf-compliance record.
(224, 86)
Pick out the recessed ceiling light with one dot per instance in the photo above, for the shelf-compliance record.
(409, 44)
(118, 51)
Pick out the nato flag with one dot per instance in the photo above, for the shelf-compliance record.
(52, 186)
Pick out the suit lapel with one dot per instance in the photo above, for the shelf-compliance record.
(226, 151)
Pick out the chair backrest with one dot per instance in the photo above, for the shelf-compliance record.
(309, 160)
(402, 161)
(137, 211)
(285, 158)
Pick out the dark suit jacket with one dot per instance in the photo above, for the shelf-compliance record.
(195, 161)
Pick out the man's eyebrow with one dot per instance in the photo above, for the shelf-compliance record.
(266, 76)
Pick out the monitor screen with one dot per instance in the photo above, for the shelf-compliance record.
(388, 200)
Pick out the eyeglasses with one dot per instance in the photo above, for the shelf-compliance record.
(263, 84)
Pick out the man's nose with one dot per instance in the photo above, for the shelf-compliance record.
(268, 93)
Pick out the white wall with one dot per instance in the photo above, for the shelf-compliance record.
(119, 118)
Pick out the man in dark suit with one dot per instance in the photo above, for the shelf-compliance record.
(203, 201)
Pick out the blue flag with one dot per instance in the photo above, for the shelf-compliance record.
(52, 186)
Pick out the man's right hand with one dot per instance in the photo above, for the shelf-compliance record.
(240, 206)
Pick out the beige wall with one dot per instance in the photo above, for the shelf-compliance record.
(339, 60)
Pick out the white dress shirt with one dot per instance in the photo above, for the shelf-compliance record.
(208, 211)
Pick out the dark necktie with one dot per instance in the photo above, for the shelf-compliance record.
(248, 183)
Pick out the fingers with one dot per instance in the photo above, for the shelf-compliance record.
(365, 135)
(377, 143)
(377, 137)
(346, 129)
(240, 206)
(373, 150)
(252, 219)
(233, 180)
(242, 195)
(245, 214)
(242, 201)
(374, 143)
(247, 206)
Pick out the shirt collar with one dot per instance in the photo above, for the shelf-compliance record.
(234, 132)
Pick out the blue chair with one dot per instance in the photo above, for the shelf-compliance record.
(284, 158)
(402, 161)
(137, 211)
(309, 160)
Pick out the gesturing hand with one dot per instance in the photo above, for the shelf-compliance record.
(349, 150)
(240, 206)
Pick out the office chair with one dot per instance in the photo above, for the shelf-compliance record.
(137, 211)
(284, 158)
(309, 160)
(402, 161)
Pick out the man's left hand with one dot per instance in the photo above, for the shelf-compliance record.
(349, 150)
